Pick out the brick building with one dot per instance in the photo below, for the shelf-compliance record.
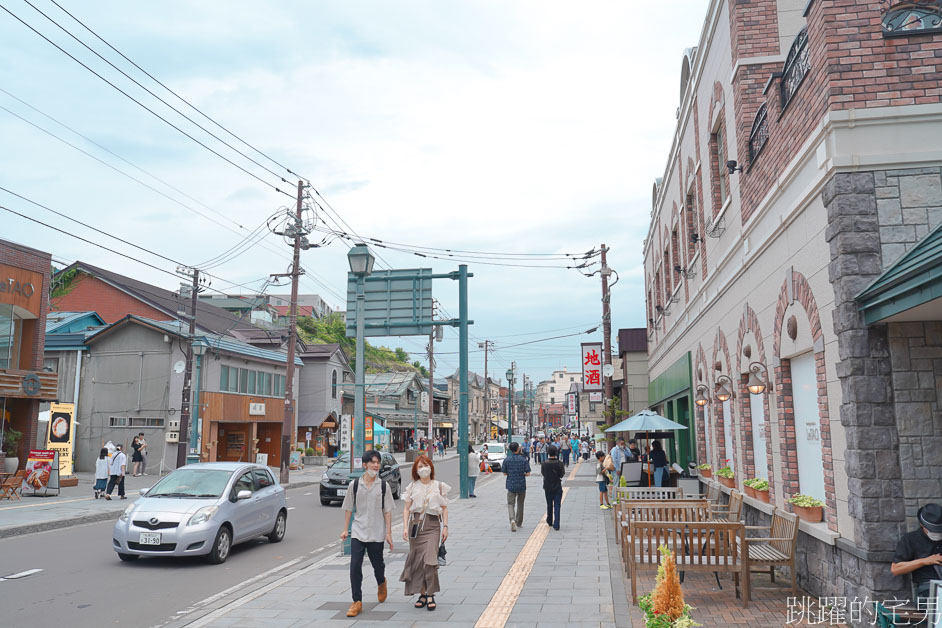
(794, 239)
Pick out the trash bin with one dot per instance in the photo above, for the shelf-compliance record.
(412, 454)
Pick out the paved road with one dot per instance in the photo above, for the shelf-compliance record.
(83, 584)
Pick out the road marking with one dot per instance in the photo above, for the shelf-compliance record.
(64, 501)
(22, 574)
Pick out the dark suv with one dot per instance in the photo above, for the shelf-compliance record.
(336, 479)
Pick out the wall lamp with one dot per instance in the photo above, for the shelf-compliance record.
(733, 166)
(758, 379)
(724, 387)
(658, 308)
(694, 237)
(701, 398)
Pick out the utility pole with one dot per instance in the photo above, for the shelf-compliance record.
(295, 230)
(184, 434)
(431, 390)
(607, 336)
(487, 396)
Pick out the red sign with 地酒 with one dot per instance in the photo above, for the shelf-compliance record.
(591, 366)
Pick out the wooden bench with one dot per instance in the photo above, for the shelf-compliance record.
(623, 493)
(704, 546)
(657, 510)
(731, 511)
(777, 549)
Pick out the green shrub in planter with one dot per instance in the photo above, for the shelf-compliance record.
(704, 467)
(725, 472)
(309, 451)
(805, 501)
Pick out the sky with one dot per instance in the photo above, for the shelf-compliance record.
(504, 127)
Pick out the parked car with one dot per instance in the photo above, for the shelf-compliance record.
(496, 452)
(203, 509)
(336, 480)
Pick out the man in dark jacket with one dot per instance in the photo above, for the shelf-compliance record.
(553, 472)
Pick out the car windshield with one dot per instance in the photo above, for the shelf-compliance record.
(343, 459)
(192, 483)
(495, 448)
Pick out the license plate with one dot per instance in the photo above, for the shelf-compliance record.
(149, 538)
(341, 492)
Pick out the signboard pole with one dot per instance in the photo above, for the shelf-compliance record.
(463, 379)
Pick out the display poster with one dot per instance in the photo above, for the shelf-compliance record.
(294, 461)
(62, 434)
(368, 434)
(42, 470)
(261, 459)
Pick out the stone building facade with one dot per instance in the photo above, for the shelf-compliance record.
(794, 237)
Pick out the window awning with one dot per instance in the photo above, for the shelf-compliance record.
(911, 288)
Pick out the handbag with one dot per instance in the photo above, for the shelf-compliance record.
(608, 463)
(441, 555)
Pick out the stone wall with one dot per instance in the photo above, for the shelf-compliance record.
(909, 205)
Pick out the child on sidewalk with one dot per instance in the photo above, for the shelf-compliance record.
(601, 476)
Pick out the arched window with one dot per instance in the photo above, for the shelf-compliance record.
(797, 64)
(333, 385)
(759, 134)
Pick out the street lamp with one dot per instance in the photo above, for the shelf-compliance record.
(510, 404)
(701, 398)
(200, 347)
(757, 385)
(723, 388)
(361, 265)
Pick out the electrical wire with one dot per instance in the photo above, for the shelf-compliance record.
(142, 105)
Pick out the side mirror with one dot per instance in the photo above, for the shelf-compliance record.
(243, 495)
(144, 490)
(386, 468)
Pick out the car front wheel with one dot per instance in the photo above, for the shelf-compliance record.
(221, 546)
(277, 533)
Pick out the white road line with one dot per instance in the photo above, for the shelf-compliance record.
(22, 574)
(306, 494)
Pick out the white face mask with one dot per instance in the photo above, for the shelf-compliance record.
(424, 472)
(934, 536)
(371, 473)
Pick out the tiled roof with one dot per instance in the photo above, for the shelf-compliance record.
(63, 321)
(388, 384)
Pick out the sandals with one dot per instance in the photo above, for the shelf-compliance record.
(422, 601)
(431, 603)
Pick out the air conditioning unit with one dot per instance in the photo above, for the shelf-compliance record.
(173, 426)
(173, 437)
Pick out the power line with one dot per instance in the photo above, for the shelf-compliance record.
(181, 98)
(142, 105)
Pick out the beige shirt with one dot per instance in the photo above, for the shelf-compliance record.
(435, 491)
(369, 524)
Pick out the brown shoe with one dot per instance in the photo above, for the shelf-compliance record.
(381, 592)
(355, 609)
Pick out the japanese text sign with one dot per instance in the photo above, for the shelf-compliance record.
(592, 366)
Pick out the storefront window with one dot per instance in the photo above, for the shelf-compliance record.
(757, 410)
(728, 435)
(11, 329)
(807, 426)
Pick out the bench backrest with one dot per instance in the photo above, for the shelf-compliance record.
(784, 526)
(713, 492)
(735, 506)
(710, 545)
(649, 492)
(667, 511)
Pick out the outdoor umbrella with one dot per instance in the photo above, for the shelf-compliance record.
(646, 421)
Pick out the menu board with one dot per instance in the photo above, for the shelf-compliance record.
(62, 434)
(42, 471)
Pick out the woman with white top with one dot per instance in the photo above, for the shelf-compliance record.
(101, 472)
(424, 519)
(474, 469)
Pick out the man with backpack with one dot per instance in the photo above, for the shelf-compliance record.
(372, 524)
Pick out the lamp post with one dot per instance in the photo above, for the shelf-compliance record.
(510, 404)
(200, 347)
(361, 265)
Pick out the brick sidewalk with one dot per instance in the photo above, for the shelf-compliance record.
(571, 581)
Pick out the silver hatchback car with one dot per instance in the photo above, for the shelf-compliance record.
(203, 509)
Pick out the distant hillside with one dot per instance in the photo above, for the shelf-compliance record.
(378, 359)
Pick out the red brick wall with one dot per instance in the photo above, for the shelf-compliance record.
(38, 262)
(753, 26)
(90, 294)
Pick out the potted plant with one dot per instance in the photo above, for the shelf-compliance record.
(807, 507)
(726, 476)
(665, 607)
(747, 486)
(760, 489)
(705, 470)
(11, 445)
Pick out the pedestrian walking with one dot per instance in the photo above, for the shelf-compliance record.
(566, 448)
(425, 526)
(474, 470)
(525, 450)
(516, 468)
(136, 457)
(601, 476)
(116, 471)
(584, 450)
(542, 450)
(553, 473)
(535, 450)
(371, 526)
(101, 472)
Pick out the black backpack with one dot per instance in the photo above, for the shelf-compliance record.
(356, 485)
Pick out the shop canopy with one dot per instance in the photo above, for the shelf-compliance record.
(379, 429)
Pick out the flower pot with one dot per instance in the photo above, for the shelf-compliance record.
(751, 492)
(707, 473)
(811, 514)
(11, 464)
(763, 496)
(727, 482)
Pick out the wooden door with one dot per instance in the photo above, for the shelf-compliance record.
(269, 442)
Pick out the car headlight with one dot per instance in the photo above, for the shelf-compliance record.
(325, 480)
(127, 513)
(202, 515)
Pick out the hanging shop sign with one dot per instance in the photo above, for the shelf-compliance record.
(42, 471)
(595, 397)
(22, 288)
(571, 399)
(592, 366)
(62, 434)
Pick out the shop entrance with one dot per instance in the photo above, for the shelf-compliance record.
(269, 442)
(234, 439)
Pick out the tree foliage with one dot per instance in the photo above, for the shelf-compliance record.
(332, 329)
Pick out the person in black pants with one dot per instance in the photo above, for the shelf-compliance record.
(553, 472)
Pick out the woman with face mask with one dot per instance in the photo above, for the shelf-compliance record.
(425, 523)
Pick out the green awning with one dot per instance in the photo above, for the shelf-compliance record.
(914, 279)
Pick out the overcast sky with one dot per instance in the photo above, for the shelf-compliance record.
(510, 126)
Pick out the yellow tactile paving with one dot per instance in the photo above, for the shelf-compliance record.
(502, 604)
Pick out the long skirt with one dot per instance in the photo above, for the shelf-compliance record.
(420, 572)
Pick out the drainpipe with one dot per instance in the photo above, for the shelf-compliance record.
(140, 381)
(75, 400)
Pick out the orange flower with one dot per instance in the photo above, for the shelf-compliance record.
(667, 597)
